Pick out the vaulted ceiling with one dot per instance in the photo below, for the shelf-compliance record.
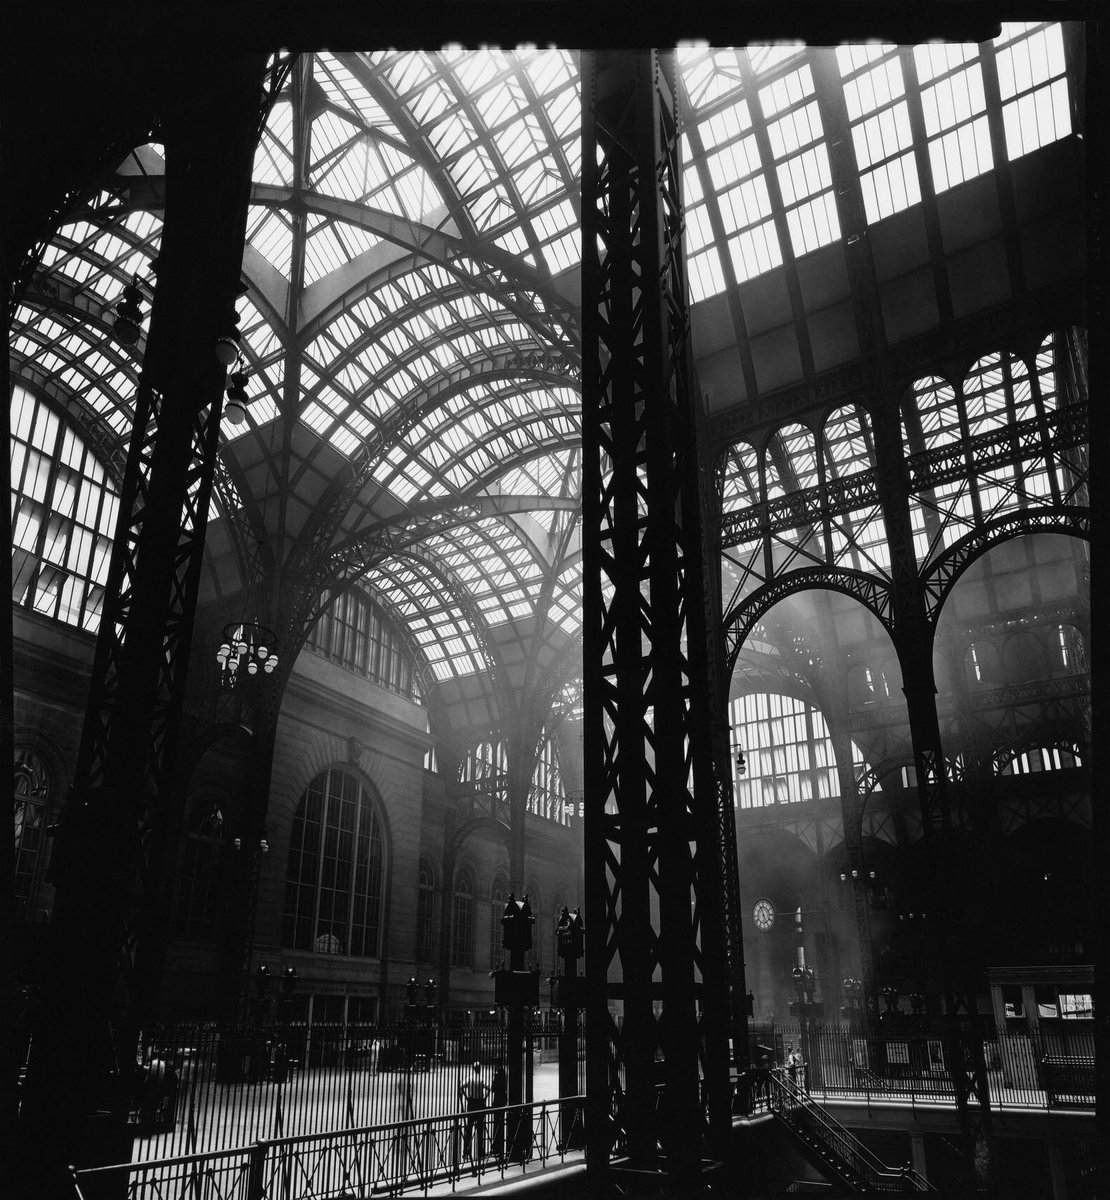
(410, 319)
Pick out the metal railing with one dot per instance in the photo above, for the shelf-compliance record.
(1045, 1069)
(798, 1110)
(200, 1088)
(451, 1153)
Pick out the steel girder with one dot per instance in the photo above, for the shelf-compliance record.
(116, 826)
(655, 929)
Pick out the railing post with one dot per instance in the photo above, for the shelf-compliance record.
(256, 1186)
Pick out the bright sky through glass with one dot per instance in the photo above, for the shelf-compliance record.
(408, 313)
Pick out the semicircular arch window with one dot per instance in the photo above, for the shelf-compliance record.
(788, 751)
(335, 877)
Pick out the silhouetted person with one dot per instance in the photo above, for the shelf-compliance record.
(473, 1092)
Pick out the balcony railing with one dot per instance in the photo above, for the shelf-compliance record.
(452, 1153)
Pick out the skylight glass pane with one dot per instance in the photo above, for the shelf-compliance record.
(725, 126)
(798, 128)
(563, 253)
(852, 58)
(882, 136)
(269, 233)
(785, 92)
(1031, 61)
(814, 224)
(935, 58)
(953, 100)
(764, 59)
(801, 176)
(1037, 118)
(699, 230)
(745, 205)
(890, 188)
(709, 75)
(691, 180)
(875, 88)
(733, 163)
(755, 251)
(961, 154)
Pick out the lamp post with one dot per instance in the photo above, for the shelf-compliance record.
(568, 994)
(853, 993)
(516, 989)
(805, 1006)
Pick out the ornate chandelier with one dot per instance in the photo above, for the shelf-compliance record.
(247, 650)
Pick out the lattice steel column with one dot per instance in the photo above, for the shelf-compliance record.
(654, 912)
(110, 846)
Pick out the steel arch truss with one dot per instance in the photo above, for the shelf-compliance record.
(870, 591)
(655, 937)
(941, 576)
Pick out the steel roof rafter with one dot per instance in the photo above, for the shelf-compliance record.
(333, 507)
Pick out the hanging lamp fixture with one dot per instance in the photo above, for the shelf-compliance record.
(129, 313)
(248, 649)
(236, 408)
(227, 341)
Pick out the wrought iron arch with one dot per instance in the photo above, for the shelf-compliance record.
(870, 592)
(1002, 754)
(812, 421)
(869, 779)
(941, 576)
(464, 831)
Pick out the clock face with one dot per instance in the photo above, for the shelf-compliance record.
(763, 913)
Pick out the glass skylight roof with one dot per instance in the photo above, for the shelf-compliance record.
(407, 330)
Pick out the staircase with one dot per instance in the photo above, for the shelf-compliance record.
(838, 1155)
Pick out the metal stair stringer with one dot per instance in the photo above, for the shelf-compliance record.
(837, 1154)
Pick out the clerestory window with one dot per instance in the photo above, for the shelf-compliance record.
(63, 516)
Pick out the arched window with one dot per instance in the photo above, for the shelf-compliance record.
(983, 664)
(462, 921)
(355, 632)
(546, 796)
(197, 902)
(499, 893)
(788, 751)
(1040, 758)
(334, 884)
(425, 911)
(858, 536)
(63, 516)
(32, 800)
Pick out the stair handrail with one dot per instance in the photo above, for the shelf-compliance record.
(789, 1100)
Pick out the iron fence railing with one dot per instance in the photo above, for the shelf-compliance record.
(406, 1157)
(200, 1088)
(1049, 1067)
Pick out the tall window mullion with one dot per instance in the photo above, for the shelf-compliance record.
(63, 510)
(336, 870)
